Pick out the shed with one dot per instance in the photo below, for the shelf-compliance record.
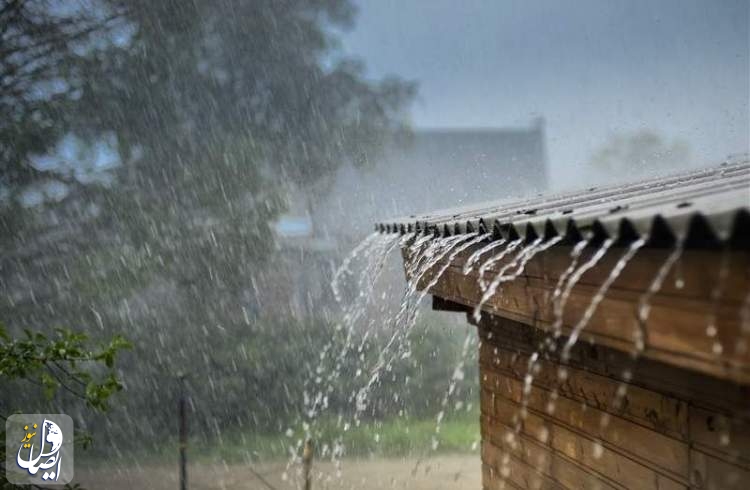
(614, 348)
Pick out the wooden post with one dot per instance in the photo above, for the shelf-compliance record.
(183, 434)
(307, 459)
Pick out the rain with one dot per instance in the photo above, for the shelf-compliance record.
(374, 244)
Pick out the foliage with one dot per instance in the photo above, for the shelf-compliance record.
(61, 361)
(642, 150)
(253, 83)
(64, 361)
(210, 112)
(38, 44)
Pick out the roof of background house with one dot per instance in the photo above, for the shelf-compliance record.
(704, 208)
(437, 168)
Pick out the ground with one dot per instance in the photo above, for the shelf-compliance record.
(455, 472)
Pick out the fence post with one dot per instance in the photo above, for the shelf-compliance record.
(183, 434)
(307, 459)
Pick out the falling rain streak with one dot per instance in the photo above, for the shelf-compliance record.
(644, 303)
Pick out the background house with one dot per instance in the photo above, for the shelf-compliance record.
(434, 169)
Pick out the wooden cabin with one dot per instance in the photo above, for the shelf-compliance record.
(655, 393)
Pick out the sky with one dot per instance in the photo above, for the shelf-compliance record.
(593, 69)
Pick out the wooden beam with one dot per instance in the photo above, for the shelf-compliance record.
(441, 304)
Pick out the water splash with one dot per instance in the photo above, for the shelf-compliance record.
(491, 288)
(366, 284)
(599, 296)
(575, 255)
(375, 252)
(427, 256)
(574, 274)
(573, 280)
(417, 250)
(344, 267)
(474, 257)
(640, 337)
(436, 250)
(456, 378)
(644, 302)
(452, 247)
(519, 262)
(495, 259)
(559, 306)
(717, 292)
(441, 271)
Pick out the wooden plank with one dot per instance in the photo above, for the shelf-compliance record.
(725, 436)
(519, 471)
(651, 448)
(440, 304)
(711, 473)
(555, 468)
(492, 481)
(698, 271)
(521, 476)
(649, 408)
(486, 398)
(588, 452)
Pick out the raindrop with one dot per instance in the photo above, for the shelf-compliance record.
(644, 303)
(597, 450)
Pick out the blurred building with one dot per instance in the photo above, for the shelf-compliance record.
(434, 169)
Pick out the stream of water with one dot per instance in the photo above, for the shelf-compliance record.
(426, 261)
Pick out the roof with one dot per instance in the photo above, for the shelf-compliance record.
(704, 209)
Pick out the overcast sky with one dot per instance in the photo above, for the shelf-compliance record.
(592, 68)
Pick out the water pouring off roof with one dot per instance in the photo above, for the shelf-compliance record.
(590, 306)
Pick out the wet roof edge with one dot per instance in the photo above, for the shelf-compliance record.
(708, 208)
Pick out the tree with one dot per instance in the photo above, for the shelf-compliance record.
(212, 109)
(38, 45)
(61, 365)
(642, 150)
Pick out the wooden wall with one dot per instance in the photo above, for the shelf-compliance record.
(674, 428)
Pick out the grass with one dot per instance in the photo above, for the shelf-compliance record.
(391, 438)
(395, 437)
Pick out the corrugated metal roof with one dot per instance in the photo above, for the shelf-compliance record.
(705, 208)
